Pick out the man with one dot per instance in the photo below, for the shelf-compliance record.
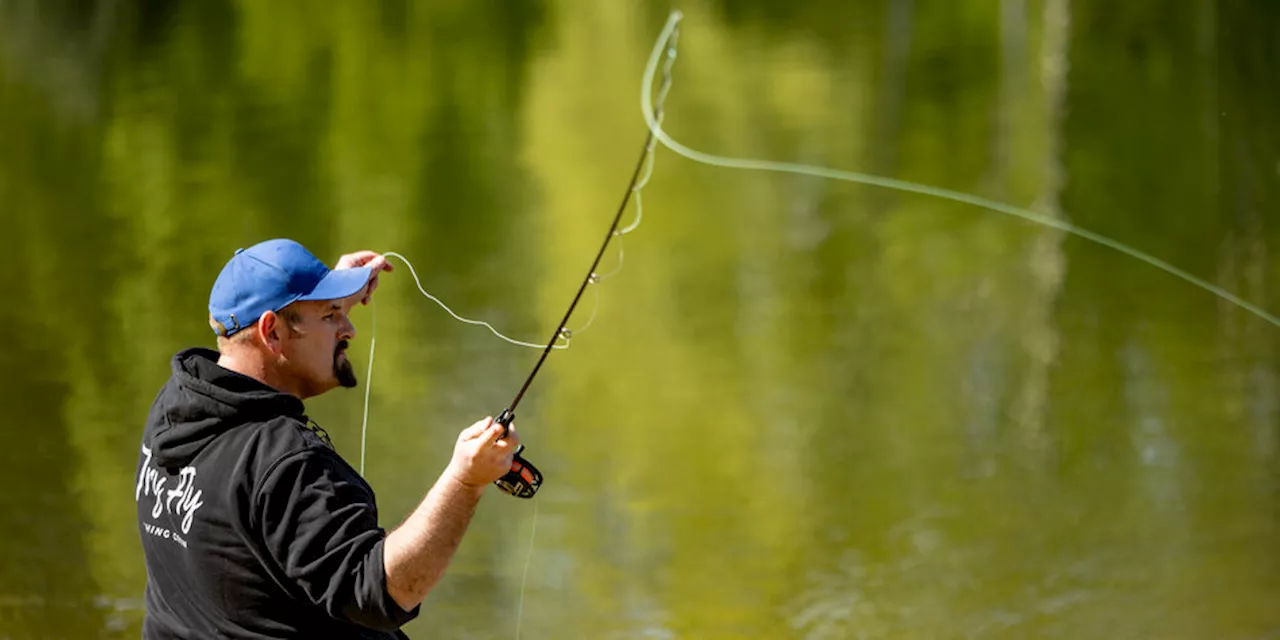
(251, 524)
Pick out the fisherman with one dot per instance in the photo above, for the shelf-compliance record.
(252, 525)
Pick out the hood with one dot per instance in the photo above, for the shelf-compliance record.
(202, 400)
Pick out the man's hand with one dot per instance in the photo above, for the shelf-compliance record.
(416, 553)
(376, 262)
(482, 455)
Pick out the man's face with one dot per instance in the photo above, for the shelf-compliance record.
(314, 348)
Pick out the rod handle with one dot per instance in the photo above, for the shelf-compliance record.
(523, 480)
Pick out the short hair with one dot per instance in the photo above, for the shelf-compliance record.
(290, 316)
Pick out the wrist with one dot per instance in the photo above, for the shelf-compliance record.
(459, 481)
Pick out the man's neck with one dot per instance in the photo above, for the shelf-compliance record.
(253, 366)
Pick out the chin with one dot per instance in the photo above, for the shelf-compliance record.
(345, 376)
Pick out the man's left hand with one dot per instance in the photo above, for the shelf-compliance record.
(376, 262)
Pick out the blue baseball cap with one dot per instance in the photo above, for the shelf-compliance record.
(268, 277)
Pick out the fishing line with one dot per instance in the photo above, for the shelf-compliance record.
(671, 32)
(368, 378)
(527, 561)
(364, 431)
(648, 172)
(373, 341)
(618, 267)
(562, 338)
(414, 272)
(594, 308)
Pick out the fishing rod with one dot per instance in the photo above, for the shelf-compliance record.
(523, 480)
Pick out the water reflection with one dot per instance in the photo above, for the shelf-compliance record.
(805, 409)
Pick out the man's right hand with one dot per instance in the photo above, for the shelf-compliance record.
(376, 262)
(416, 553)
(482, 455)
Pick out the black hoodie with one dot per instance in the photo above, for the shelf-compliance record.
(251, 524)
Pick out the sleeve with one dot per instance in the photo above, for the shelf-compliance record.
(319, 522)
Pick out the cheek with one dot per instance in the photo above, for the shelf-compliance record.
(320, 351)
(307, 351)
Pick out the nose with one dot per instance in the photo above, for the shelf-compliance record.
(347, 331)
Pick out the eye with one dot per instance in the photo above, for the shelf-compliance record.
(329, 316)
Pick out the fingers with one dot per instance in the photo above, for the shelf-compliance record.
(512, 438)
(476, 430)
(376, 264)
(483, 454)
(493, 434)
(372, 259)
(489, 433)
(357, 259)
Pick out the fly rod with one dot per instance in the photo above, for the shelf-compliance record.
(524, 479)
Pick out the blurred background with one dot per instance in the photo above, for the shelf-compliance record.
(806, 409)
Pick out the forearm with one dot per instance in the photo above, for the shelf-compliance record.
(417, 552)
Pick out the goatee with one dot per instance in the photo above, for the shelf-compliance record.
(342, 368)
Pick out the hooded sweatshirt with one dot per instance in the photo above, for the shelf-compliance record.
(251, 524)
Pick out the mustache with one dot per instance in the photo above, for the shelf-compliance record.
(342, 346)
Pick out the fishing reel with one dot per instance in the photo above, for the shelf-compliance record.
(523, 480)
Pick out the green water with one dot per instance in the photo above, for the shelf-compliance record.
(805, 409)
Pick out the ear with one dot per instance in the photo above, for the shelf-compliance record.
(269, 328)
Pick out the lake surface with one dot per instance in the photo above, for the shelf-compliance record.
(803, 409)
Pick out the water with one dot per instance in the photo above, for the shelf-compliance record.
(806, 409)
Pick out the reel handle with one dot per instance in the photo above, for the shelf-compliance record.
(523, 480)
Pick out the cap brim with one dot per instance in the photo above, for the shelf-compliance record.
(340, 283)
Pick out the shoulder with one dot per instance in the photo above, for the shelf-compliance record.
(310, 479)
(281, 437)
(287, 443)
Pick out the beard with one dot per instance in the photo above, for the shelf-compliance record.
(342, 368)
